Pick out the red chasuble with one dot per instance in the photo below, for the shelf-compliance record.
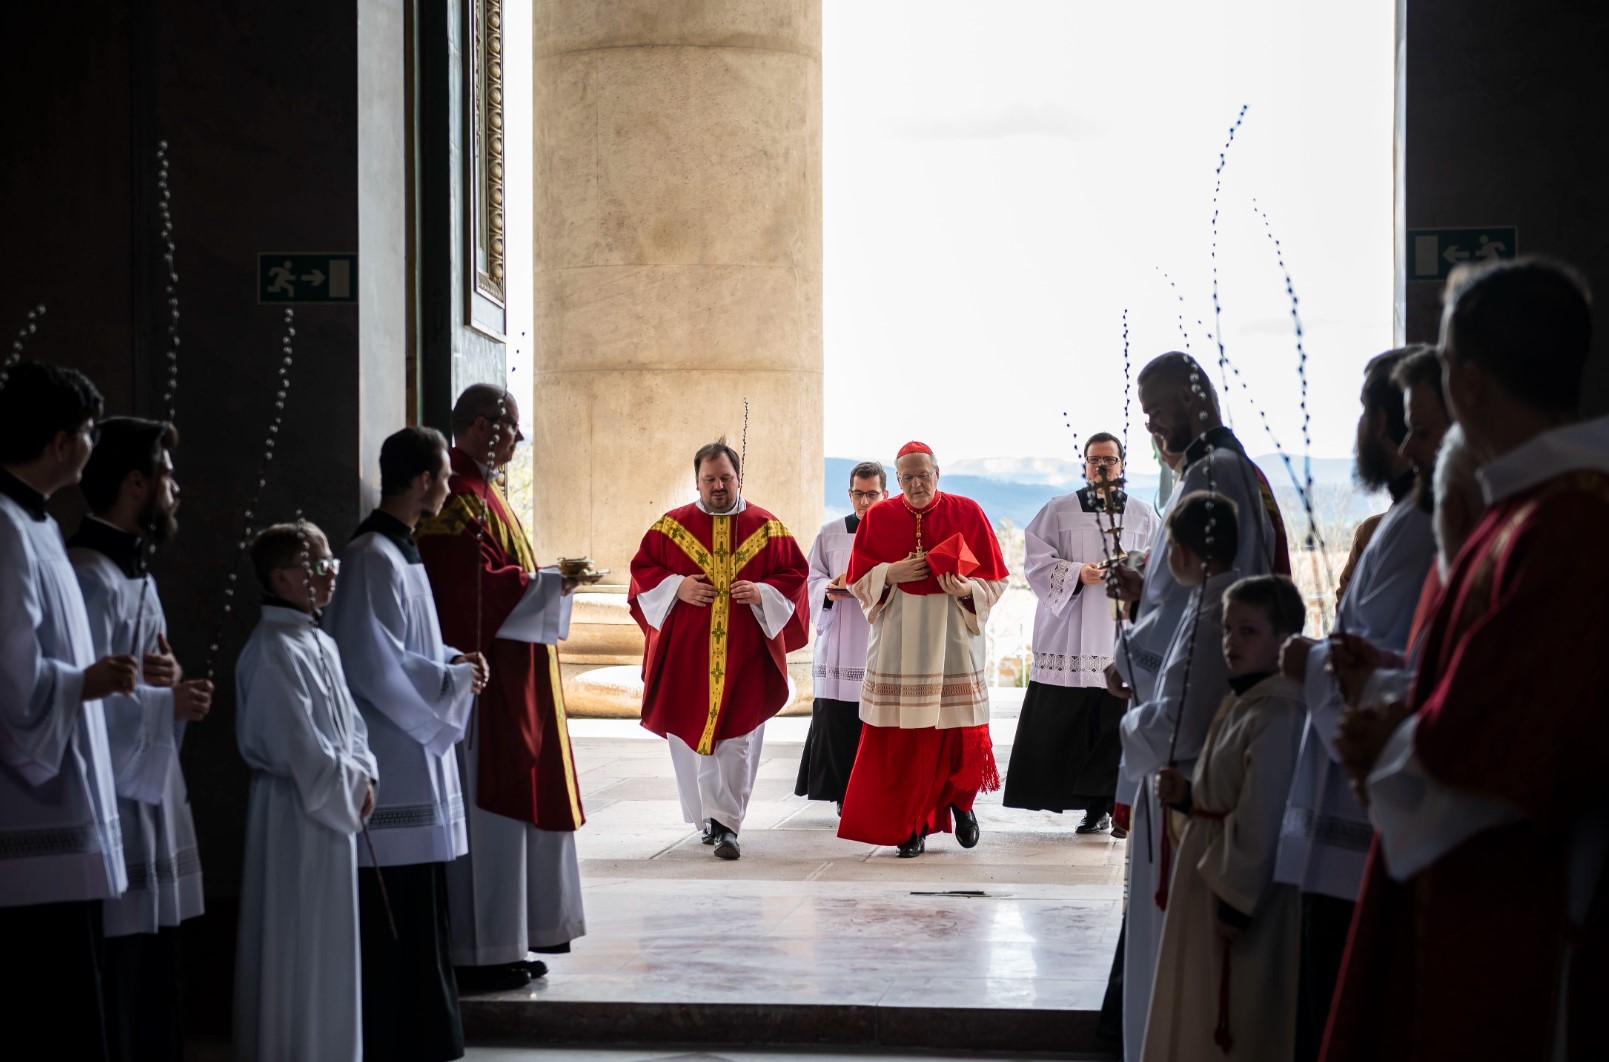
(520, 731)
(711, 673)
(891, 530)
(1463, 960)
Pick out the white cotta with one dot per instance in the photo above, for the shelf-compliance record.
(60, 837)
(838, 661)
(297, 965)
(1243, 774)
(1326, 834)
(414, 702)
(925, 661)
(1074, 632)
(159, 834)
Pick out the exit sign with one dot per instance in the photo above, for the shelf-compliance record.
(300, 276)
(1434, 253)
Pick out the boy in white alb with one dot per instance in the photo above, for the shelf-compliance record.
(1225, 984)
(312, 787)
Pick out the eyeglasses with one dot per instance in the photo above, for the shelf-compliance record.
(916, 477)
(322, 566)
(1103, 462)
(865, 495)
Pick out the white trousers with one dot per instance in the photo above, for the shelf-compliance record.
(518, 888)
(717, 786)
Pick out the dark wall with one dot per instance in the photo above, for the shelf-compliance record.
(286, 124)
(1501, 122)
(258, 104)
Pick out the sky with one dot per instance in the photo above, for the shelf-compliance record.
(1002, 179)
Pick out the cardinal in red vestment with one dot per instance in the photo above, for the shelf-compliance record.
(1483, 927)
(925, 569)
(718, 588)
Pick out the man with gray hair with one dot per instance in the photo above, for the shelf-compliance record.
(519, 888)
(839, 662)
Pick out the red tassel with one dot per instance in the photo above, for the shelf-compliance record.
(1167, 863)
(1220, 1035)
(980, 750)
(991, 770)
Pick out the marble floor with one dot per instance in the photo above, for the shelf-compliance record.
(1026, 921)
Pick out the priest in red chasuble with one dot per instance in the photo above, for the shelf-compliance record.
(1483, 927)
(718, 587)
(925, 569)
(519, 888)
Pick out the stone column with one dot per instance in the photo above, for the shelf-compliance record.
(678, 270)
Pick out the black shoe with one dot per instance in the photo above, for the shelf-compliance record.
(966, 827)
(839, 804)
(503, 978)
(914, 847)
(726, 846)
(535, 967)
(708, 836)
(1094, 825)
(1119, 833)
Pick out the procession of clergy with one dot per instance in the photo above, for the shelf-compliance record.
(1344, 847)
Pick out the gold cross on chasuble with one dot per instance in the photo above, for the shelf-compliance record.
(719, 564)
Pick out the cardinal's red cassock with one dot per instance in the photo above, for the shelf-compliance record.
(1484, 901)
(712, 674)
(925, 698)
(478, 573)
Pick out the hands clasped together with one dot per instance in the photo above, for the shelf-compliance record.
(697, 590)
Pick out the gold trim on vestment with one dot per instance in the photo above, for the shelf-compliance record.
(563, 718)
(719, 565)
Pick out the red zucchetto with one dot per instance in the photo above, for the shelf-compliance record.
(914, 447)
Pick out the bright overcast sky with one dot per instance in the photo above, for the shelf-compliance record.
(1002, 179)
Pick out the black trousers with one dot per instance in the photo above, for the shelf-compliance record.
(410, 996)
(1325, 924)
(52, 1004)
(143, 1011)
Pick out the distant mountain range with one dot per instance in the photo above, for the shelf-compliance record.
(1016, 488)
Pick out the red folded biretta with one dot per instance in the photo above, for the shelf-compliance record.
(952, 557)
(914, 447)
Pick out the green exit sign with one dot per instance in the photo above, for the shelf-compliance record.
(300, 276)
(1434, 253)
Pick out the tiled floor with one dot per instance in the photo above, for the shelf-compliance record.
(807, 918)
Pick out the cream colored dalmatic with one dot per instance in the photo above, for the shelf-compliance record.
(925, 660)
